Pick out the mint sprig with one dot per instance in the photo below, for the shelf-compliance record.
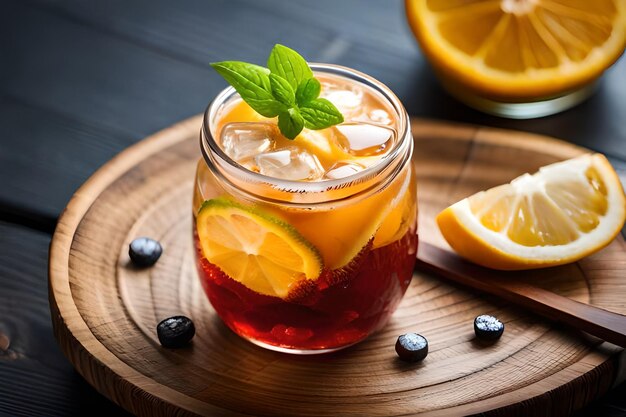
(320, 114)
(286, 88)
(288, 64)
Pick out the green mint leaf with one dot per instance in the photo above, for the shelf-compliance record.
(289, 64)
(267, 108)
(287, 89)
(251, 79)
(282, 90)
(320, 114)
(290, 123)
(308, 90)
(252, 82)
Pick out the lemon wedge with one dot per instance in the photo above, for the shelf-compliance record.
(560, 214)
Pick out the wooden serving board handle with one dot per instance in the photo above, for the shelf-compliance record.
(601, 323)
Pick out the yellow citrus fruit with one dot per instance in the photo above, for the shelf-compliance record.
(516, 49)
(401, 215)
(262, 252)
(560, 214)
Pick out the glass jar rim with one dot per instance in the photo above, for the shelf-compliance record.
(211, 149)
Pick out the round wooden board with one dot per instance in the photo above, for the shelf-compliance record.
(105, 312)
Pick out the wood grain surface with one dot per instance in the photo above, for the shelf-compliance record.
(35, 378)
(105, 312)
(80, 81)
(520, 289)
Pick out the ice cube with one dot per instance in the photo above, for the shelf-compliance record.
(364, 139)
(378, 116)
(245, 140)
(249, 164)
(343, 169)
(348, 100)
(290, 164)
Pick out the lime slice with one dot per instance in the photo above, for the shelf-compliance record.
(260, 251)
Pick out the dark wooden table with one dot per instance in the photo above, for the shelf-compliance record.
(82, 80)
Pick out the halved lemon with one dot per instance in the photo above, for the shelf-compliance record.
(262, 252)
(560, 214)
(516, 49)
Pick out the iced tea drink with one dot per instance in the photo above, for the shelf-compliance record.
(307, 245)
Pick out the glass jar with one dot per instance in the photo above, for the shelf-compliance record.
(361, 229)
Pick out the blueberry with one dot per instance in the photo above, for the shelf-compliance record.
(175, 332)
(488, 327)
(412, 347)
(144, 251)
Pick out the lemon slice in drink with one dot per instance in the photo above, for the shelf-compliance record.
(520, 48)
(562, 213)
(261, 252)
